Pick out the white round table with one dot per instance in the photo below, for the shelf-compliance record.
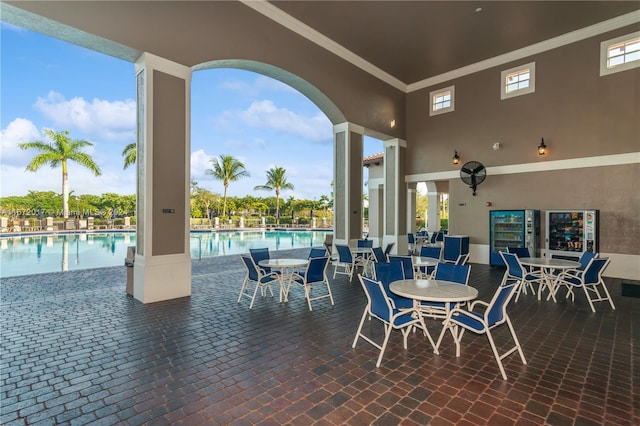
(428, 290)
(286, 267)
(422, 262)
(547, 265)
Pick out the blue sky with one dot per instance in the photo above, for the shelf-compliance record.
(50, 84)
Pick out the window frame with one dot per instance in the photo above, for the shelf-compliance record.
(435, 93)
(531, 88)
(604, 57)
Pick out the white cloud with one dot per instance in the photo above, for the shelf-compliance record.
(104, 119)
(199, 163)
(18, 131)
(268, 83)
(265, 114)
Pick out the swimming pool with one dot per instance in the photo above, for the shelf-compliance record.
(35, 254)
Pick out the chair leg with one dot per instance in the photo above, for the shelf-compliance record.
(253, 299)
(326, 281)
(242, 289)
(364, 316)
(496, 354)
(307, 295)
(607, 293)
(586, 293)
(515, 339)
(387, 334)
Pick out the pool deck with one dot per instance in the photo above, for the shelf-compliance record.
(76, 350)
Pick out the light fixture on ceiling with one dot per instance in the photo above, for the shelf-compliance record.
(542, 148)
(456, 157)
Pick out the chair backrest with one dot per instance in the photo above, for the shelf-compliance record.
(316, 269)
(454, 273)
(593, 273)
(434, 235)
(378, 305)
(440, 236)
(410, 238)
(252, 271)
(387, 273)
(585, 259)
(514, 268)
(365, 243)
(317, 252)
(379, 255)
(387, 250)
(407, 265)
(462, 259)
(497, 309)
(432, 252)
(344, 253)
(258, 254)
(519, 251)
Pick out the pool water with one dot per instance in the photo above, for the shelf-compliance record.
(35, 254)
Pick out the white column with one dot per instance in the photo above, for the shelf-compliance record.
(395, 195)
(433, 209)
(347, 182)
(162, 268)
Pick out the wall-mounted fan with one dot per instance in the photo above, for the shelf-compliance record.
(473, 174)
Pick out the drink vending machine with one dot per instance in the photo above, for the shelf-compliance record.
(513, 228)
(569, 233)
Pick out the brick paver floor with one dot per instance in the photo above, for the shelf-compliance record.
(76, 350)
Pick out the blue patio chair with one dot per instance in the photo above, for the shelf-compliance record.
(446, 272)
(378, 255)
(315, 273)
(407, 265)
(584, 260)
(257, 275)
(589, 281)
(462, 259)
(411, 241)
(430, 252)
(516, 272)
(345, 261)
(380, 307)
(365, 243)
(434, 235)
(494, 315)
(259, 254)
(317, 252)
(387, 273)
(388, 248)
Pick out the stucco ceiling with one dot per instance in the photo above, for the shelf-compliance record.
(408, 40)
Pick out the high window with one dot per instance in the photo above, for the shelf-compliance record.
(518, 81)
(620, 54)
(442, 100)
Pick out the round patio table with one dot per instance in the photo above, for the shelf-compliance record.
(547, 265)
(286, 267)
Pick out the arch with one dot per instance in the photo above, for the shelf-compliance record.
(316, 96)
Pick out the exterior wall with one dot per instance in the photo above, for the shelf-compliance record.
(579, 114)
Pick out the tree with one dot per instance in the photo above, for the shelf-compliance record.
(129, 153)
(227, 169)
(276, 181)
(57, 153)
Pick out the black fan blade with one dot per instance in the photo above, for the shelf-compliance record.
(473, 182)
(477, 169)
(467, 171)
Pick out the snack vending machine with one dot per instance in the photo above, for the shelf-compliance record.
(569, 233)
(513, 228)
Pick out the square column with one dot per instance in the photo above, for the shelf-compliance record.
(347, 182)
(395, 195)
(433, 210)
(162, 268)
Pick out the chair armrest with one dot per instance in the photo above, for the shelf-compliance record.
(478, 302)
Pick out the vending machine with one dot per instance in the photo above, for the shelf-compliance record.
(569, 233)
(513, 228)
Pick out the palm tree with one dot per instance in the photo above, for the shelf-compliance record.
(276, 180)
(57, 153)
(227, 169)
(129, 153)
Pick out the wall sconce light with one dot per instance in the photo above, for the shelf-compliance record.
(542, 148)
(456, 157)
